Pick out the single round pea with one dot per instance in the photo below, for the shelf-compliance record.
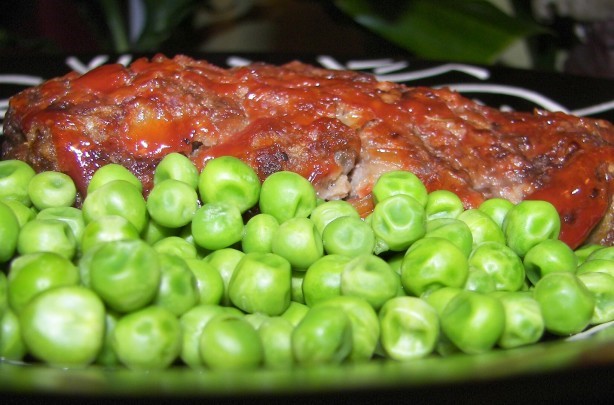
(208, 280)
(524, 323)
(106, 229)
(324, 336)
(118, 197)
(432, 263)
(496, 208)
(327, 211)
(52, 189)
(192, 324)
(172, 203)
(530, 222)
(176, 246)
(228, 179)
(399, 182)
(452, 229)
(15, 175)
(276, 336)
(348, 236)
(12, 346)
(483, 228)
(606, 253)
(31, 274)
(298, 241)
(443, 204)
(287, 195)
(112, 172)
(71, 215)
(9, 233)
(548, 256)
(224, 261)
(217, 225)
(295, 312)
(177, 290)
(323, 278)
(473, 322)
(147, 339)
(261, 282)
(371, 278)
(229, 342)
(601, 285)
(22, 212)
(479, 280)
(409, 328)
(177, 167)
(125, 274)
(397, 222)
(258, 233)
(365, 326)
(47, 235)
(501, 264)
(566, 304)
(64, 326)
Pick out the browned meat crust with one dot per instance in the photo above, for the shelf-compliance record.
(339, 129)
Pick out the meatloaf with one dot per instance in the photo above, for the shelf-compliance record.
(339, 129)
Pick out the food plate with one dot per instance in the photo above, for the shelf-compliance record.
(558, 369)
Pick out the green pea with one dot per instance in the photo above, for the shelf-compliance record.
(324, 336)
(479, 280)
(22, 212)
(443, 204)
(298, 241)
(64, 326)
(192, 324)
(112, 172)
(107, 356)
(256, 319)
(71, 215)
(258, 234)
(348, 236)
(409, 328)
(483, 228)
(524, 323)
(583, 252)
(323, 278)
(15, 176)
(496, 208)
(52, 189)
(287, 195)
(530, 222)
(473, 321)
(397, 222)
(371, 278)
(4, 300)
(176, 246)
(261, 282)
(9, 233)
(500, 263)
(276, 336)
(47, 235)
(606, 253)
(208, 280)
(433, 263)
(365, 326)
(566, 304)
(155, 232)
(399, 182)
(548, 256)
(125, 274)
(177, 290)
(177, 167)
(217, 225)
(296, 291)
(454, 230)
(172, 203)
(295, 312)
(118, 197)
(12, 346)
(228, 179)
(596, 265)
(601, 285)
(147, 339)
(224, 261)
(106, 229)
(31, 274)
(438, 299)
(324, 213)
(229, 342)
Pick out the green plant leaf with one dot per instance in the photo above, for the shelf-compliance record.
(463, 30)
(162, 17)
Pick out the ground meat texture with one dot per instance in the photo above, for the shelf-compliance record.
(339, 129)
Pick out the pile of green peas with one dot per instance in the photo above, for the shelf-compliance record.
(218, 270)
